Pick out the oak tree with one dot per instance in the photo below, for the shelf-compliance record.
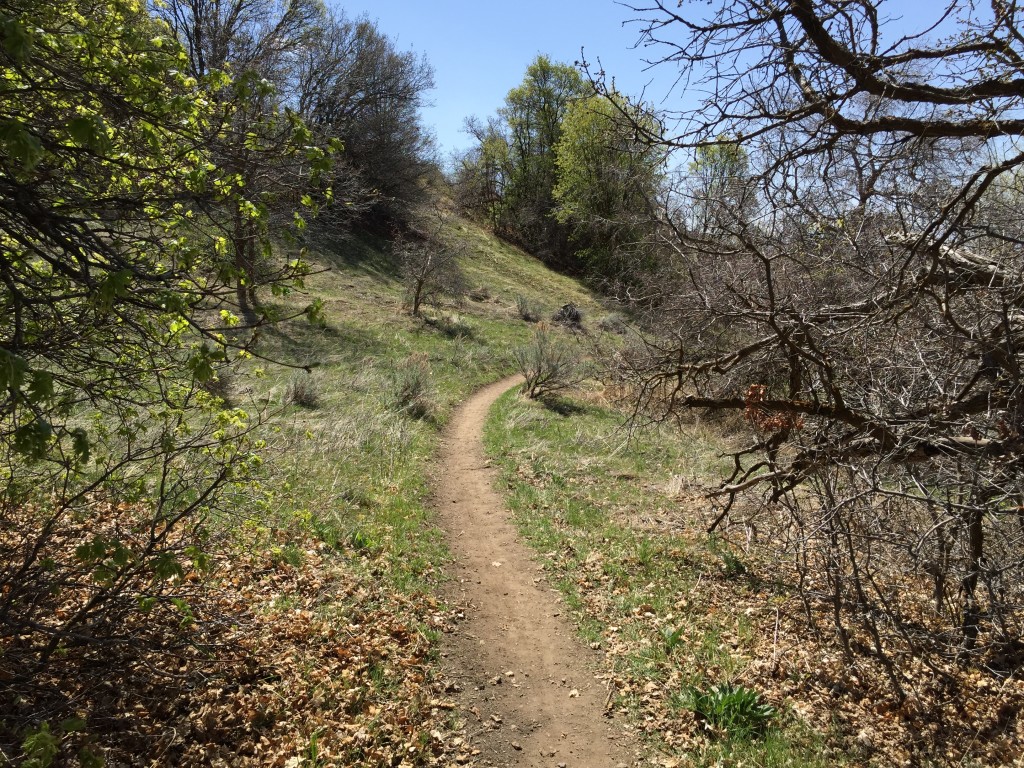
(860, 303)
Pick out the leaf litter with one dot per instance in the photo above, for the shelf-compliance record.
(313, 662)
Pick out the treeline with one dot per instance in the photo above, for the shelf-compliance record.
(562, 172)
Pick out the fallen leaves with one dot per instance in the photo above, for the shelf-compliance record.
(281, 665)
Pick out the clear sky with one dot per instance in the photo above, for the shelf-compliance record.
(480, 49)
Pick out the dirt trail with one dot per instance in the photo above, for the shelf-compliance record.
(528, 691)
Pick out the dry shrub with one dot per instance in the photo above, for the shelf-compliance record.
(526, 310)
(413, 387)
(304, 389)
(548, 365)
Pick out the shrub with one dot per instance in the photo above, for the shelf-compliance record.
(453, 325)
(613, 323)
(414, 391)
(526, 310)
(548, 366)
(304, 389)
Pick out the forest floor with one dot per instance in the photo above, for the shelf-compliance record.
(527, 685)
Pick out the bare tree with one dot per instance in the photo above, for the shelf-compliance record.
(861, 302)
(430, 264)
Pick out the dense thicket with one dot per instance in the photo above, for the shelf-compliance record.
(841, 265)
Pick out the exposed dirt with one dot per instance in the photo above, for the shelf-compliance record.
(528, 692)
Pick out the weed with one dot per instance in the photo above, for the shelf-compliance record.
(361, 541)
(646, 552)
(672, 638)
(732, 566)
(736, 710)
(289, 554)
(40, 747)
(313, 749)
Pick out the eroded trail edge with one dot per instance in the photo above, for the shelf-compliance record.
(528, 692)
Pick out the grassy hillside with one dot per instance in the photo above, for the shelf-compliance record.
(305, 633)
(340, 526)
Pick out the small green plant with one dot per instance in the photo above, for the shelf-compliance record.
(735, 709)
(362, 542)
(289, 554)
(312, 751)
(672, 638)
(40, 747)
(547, 366)
(732, 566)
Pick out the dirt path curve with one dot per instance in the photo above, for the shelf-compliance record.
(528, 691)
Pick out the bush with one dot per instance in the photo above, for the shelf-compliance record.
(453, 325)
(414, 391)
(547, 365)
(304, 389)
(613, 323)
(526, 310)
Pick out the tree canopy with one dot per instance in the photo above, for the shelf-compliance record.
(118, 306)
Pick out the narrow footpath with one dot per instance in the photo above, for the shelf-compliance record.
(528, 692)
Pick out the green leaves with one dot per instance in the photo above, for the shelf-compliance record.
(738, 711)
(13, 370)
(19, 143)
(92, 132)
(16, 39)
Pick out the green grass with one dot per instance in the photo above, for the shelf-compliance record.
(607, 518)
(348, 447)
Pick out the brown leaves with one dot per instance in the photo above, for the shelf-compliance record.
(282, 665)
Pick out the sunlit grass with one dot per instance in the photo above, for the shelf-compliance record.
(610, 522)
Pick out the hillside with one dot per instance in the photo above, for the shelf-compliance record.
(308, 633)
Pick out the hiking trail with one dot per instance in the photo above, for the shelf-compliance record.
(528, 691)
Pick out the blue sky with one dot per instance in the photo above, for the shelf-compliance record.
(480, 49)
